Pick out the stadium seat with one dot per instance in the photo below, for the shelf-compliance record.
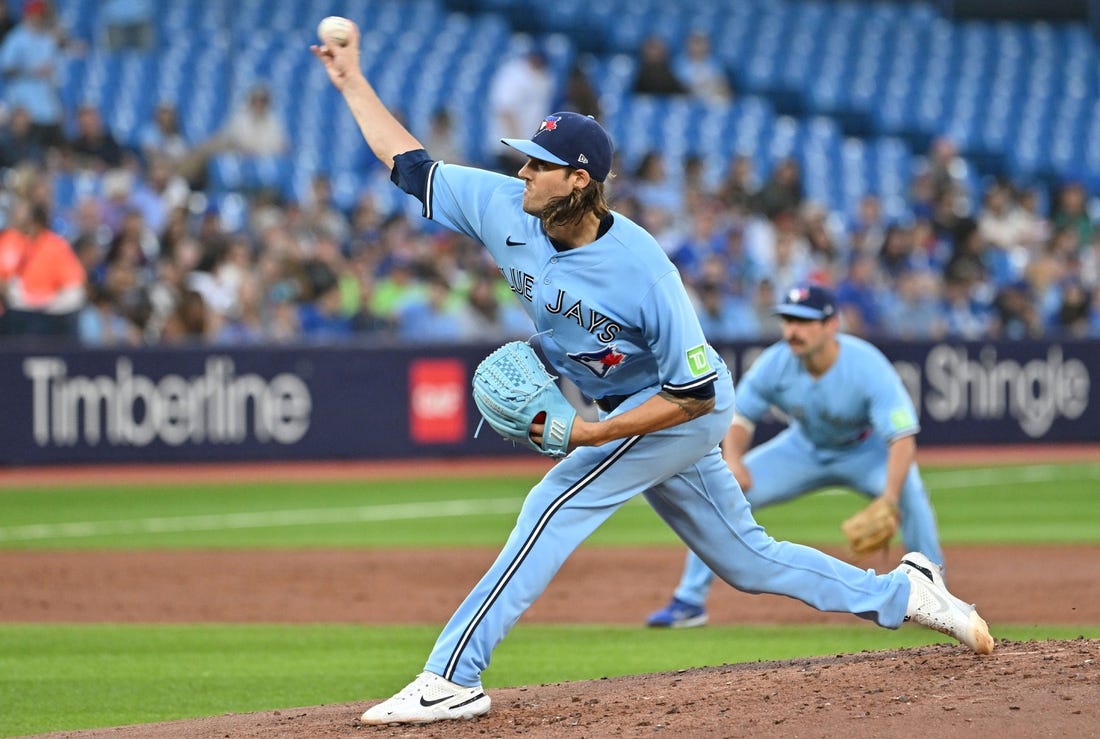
(854, 90)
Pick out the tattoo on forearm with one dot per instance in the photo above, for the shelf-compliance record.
(691, 407)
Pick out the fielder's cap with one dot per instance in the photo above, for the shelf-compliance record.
(572, 140)
(813, 302)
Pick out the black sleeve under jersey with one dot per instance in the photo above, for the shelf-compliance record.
(411, 172)
(703, 392)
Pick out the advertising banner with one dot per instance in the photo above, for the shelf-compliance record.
(214, 404)
(348, 402)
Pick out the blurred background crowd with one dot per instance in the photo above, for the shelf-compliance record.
(151, 194)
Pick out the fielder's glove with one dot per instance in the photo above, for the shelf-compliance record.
(512, 387)
(871, 528)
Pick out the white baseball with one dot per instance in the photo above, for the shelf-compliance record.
(334, 29)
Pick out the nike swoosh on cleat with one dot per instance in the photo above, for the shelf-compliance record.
(509, 242)
(427, 703)
(943, 611)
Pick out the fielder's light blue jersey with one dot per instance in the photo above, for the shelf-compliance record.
(613, 316)
(859, 395)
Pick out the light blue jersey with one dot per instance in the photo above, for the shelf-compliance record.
(615, 318)
(859, 395)
(840, 427)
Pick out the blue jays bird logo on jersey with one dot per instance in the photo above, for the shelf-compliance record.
(602, 362)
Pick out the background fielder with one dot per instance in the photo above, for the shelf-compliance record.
(616, 319)
(852, 424)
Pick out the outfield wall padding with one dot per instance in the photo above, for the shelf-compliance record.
(359, 402)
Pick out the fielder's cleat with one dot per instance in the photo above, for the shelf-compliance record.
(931, 605)
(429, 698)
(678, 615)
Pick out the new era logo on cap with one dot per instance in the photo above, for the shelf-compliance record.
(814, 302)
(572, 140)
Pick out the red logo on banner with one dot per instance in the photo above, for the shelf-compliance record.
(437, 401)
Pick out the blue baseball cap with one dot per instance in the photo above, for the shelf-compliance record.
(813, 302)
(572, 140)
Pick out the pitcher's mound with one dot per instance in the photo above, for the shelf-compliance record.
(1032, 688)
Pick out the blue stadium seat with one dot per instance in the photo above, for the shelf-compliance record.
(855, 90)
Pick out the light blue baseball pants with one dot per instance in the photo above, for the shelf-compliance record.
(789, 466)
(682, 475)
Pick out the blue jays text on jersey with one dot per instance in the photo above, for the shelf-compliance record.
(593, 321)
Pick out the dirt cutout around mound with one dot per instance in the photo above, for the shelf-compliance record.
(1024, 689)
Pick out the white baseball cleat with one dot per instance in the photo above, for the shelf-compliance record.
(429, 698)
(931, 605)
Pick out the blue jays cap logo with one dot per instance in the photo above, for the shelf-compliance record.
(600, 363)
(811, 302)
(798, 294)
(548, 124)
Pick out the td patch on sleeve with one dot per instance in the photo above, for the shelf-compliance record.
(901, 419)
(697, 360)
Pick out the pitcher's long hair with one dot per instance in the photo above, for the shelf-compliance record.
(570, 209)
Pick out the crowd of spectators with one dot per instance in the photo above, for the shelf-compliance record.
(1001, 269)
(156, 263)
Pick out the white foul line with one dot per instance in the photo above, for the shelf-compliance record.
(979, 477)
(259, 520)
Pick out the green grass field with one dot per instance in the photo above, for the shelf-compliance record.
(57, 677)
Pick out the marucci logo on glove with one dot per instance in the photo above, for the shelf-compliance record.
(555, 433)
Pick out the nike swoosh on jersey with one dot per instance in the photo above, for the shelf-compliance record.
(509, 242)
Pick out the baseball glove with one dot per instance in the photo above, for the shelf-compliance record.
(512, 388)
(871, 528)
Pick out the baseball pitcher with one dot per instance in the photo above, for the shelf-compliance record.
(615, 319)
